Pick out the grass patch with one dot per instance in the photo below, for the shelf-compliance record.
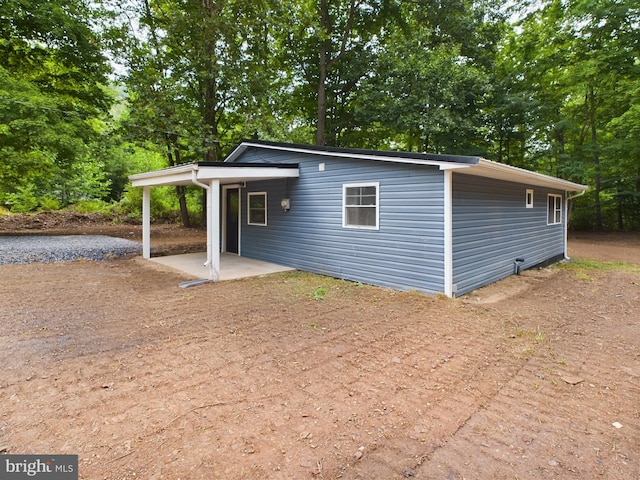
(317, 287)
(319, 293)
(539, 335)
(580, 265)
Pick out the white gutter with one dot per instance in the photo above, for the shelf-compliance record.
(576, 195)
(491, 169)
(566, 222)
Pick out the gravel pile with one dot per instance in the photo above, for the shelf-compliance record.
(64, 248)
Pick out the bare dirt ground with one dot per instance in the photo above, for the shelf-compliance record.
(296, 376)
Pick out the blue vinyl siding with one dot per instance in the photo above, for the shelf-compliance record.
(492, 227)
(407, 252)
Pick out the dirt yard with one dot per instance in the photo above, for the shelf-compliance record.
(296, 376)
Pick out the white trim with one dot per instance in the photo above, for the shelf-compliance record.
(345, 186)
(555, 209)
(190, 173)
(213, 230)
(249, 194)
(448, 234)
(484, 167)
(529, 198)
(500, 171)
(146, 222)
(224, 210)
(566, 222)
(374, 155)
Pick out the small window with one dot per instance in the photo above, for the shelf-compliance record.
(257, 206)
(554, 209)
(360, 205)
(529, 198)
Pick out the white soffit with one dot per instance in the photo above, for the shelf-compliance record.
(499, 171)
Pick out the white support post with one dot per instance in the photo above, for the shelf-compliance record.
(146, 222)
(448, 234)
(213, 229)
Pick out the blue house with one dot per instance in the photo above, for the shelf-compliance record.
(410, 221)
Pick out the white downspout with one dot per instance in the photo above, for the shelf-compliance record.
(448, 234)
(146, 222)
(566, 223)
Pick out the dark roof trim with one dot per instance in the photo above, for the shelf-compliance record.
(247, 164)
(432, 157)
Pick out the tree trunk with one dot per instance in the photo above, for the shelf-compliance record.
(596, 158)
(213, 153)
(324, 53)
(509, 147)
(636, 208)
(619, 198)
(322, 102)
(172, 148)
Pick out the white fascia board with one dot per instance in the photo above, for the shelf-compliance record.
(184, 174)
(453, 166)
(236, 153)
(246, 173)
(500, 171)
(179, 175)
(385, 158)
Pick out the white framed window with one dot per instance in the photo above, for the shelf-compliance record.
(360, 205)
(529, 198)
(554, 209)
(257, 208)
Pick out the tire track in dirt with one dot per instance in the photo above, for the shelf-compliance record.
(257, 379)
(566, 399)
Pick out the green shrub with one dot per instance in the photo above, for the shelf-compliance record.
(90, 206)
(24, 200)
(49, 204)
(164, 204)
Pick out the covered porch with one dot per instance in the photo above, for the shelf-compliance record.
(211, 176)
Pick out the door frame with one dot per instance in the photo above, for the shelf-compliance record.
(225, 224)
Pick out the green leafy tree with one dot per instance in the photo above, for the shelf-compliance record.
(329, 47)
(51, 99)
(198, 75)
(199, 71)
(579, 62)
(430, 83)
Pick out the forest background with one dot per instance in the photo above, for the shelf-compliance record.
(93, 91)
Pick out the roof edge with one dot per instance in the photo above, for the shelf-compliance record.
(386, 155)
(534, 177)
(472, 165)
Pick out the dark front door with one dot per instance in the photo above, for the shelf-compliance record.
(233, 218)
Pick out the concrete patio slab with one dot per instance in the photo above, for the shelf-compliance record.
(231, 266)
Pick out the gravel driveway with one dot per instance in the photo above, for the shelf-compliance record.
(64, 248)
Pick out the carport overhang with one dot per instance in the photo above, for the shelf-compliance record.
(209, 176)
